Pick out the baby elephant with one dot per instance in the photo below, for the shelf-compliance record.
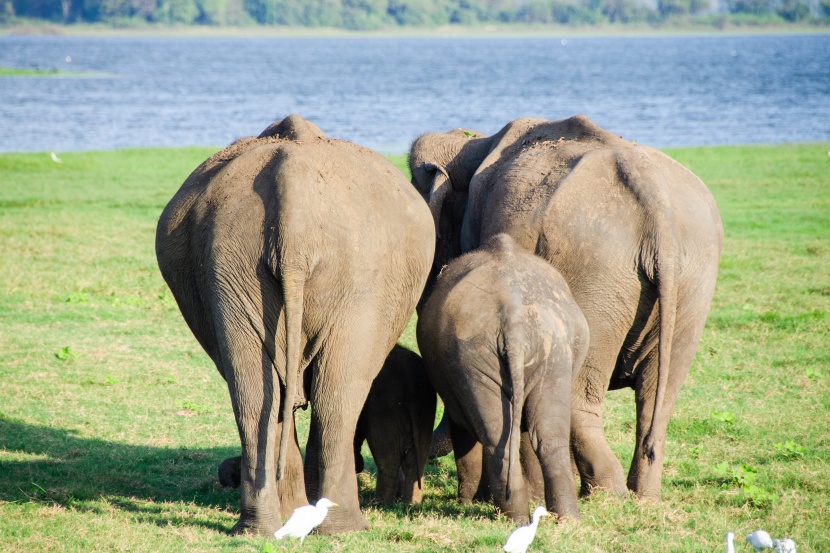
(397, 421)
(502, 339)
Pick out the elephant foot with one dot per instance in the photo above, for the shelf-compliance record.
(229, 471)
(646, 496)
(341, 520)
(567, 518)
(647, 489)
(610, 486)
(258, 527)
(516, 516)
(565, 510)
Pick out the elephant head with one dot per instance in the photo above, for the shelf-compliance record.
(444, 167)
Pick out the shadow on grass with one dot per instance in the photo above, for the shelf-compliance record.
(158, 485)
(54, 466)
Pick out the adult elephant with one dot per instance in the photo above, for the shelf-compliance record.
(296, 261)
(637, 238)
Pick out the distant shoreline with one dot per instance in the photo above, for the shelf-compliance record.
(447, 31)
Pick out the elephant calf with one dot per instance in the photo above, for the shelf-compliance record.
(397, 422)
(502, 339)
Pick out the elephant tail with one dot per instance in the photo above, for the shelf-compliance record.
(665, 271)
(293, 300)
(514, 341)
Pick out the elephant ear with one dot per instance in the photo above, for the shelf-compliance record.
(440, 187)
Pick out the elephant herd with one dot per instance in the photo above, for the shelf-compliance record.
(549, 263)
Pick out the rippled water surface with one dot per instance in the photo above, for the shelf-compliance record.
(384, 92)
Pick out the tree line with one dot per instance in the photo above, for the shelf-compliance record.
(378, 14)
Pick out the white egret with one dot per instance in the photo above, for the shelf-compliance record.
(521, 537)
(55, 158)
(784, 545)
(305, 519)
(730, 542)
(760, 540)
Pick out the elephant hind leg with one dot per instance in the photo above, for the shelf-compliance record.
(291, 488)
(548, 420)
(255, 396)
(468, 465)
(644, 477)
(347, 363)
(598, 467)
(531, 469)
(411, 478)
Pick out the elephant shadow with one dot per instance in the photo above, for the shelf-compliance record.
(156, 485)
(58, 467)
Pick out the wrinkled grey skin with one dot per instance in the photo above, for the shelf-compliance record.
(637, 237)
(502, 339)
(397, 423)
(296, 260)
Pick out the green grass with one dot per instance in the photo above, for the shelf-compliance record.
(32, 72)
(113, 420)
(28, 72)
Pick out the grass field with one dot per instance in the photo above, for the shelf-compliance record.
(113, 420)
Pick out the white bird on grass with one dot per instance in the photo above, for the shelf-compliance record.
(521, 537)
(784, 545)
(305, 519)
(760, 540)
(55, 158)
(730, 543)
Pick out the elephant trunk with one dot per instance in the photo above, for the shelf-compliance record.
(437, 195)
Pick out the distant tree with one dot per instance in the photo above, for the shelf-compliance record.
(321, 13)
(276, 12)
(236, 14)
(176, 11)
(499, 10)
(673, 8)
(364, 14)
(466, 12)
(752, 7)
(622, 11)
(416, 12)
(564, 11)
(39, 9)
(212, 12)
(824, 8)
(536, 11)
(6, 10)
(794, 10)
(697, 7)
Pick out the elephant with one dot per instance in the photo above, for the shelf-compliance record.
(397, 422)
(502, 339)
(636, 236)
(296, 260)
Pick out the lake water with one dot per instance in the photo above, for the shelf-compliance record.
(384, 92)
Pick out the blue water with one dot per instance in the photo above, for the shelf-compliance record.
(384, 92)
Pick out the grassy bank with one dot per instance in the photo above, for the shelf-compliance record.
(113, 420)
(722, 25)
